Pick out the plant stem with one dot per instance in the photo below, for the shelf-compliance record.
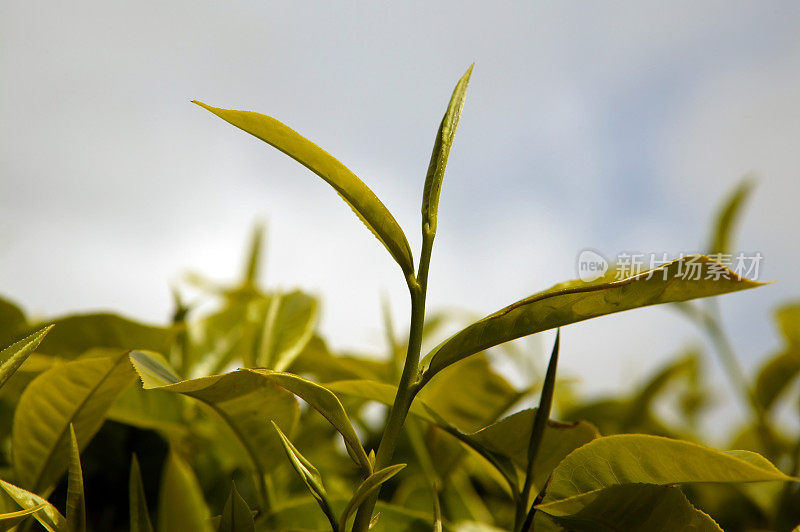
(407, 388)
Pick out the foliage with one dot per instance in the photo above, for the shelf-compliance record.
(240, 418)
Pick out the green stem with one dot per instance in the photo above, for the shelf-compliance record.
(408, 387)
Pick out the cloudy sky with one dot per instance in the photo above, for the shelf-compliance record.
(618, 127)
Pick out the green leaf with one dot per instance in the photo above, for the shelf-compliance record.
(633, 508)
(317, 360)
(288, 327)
(243, 400)
(76, 506)
(12, 322)
(367, 488)
(9, 520)
(638, 458)
(236, 515)
(788, 318)
(254, 259)
(360, 198)
(441, 151)
(576, 301)
(140, 516)
(310, 477)
(181, 506)
(776, 375)
(78, 392)
(326, 403)
(14, 355)
(50, 518)
(301, 514)
(721, 241)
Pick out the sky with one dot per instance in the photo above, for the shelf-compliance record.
(611, 126)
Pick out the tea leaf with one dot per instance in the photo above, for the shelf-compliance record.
(775, 376)
(638, 458)
(576, 301)
(76, 506)
(324, 402)
(181, 507)
(8, 520)
(14, 355)
(788, 318)
(140, 516)
(367, 488)
(288, 327)
(361, 199)
(441, 152)
(633, 508)
(254, 259)
(242, 400)
(236, 515)
(12, 322)
(78, 392)
(721, 241)
(47, 515)
(310, 477)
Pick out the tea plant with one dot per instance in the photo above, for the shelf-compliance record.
(452, 453)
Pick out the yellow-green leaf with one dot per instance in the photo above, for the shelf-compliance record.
(369, 486)
(725, 221)
(8, 520)
(78, 392)
(288, 327)
(441, 152)
(14, 355)
(76, 506)
(576, 301)
(643, 459)
(140, 515)
(47, 515)
(361, 199)
(181, 506)
(236, 515)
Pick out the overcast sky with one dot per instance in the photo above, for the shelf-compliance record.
(618, 127)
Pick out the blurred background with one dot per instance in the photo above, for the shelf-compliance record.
(611, 126)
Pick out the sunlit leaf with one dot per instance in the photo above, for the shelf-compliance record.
(76, 506)
(632, 508)
(288, 326)
(11, 519)
(441, 152)
(362, 200)
(50, 518)
(14, 355)
(369, 486)
(236, 515)
(78, 392)
(638, 458)
(140, 515)
(576, 301)
(181, 506)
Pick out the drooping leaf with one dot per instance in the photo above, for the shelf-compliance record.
(14, 355)
(243, 400)
(630, 507)
(140, 515)
(643, 459)
(236, 515)
(181, 506)
(288, 327)
(76, 506)
(360, 198)
(441, 152)
(576, 301)
(369, 486)
(725, 221)
(326, 403)
(50, 518)
(310, 477)
(78, 392)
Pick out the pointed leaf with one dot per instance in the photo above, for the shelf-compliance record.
(726, 218)
(288, 327)
(14, 355)
(50, 518)
(76, 506)
(78, 392)
(140, 515)
(361, 199)
(576, 301)
(633, 508)
(638, 458)
(236, 515)
(441, 152)
(369, 486)
(9, 520)
(326, 403)
(254, 259)
(181, 506)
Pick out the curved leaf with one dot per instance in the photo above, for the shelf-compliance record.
(775, 376)
(78, 392)
(76, 506)
(50, 518)
(236, 515)
(361, 199)
(576, 301)
(633, 508)
(12, 322)
(11, 519)
(14, 355)
(722, 237)
(326, 403)
(140, 515)
(642, 459)
(367, 488)
(441, 151)
(181, 506)
(288, 327)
